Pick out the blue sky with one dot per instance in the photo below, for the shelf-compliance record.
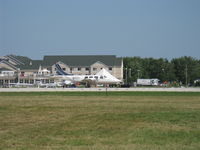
(146, 28)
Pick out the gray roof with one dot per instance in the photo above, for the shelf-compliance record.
(19, 59)
(25, 63)
(32, 65)
(83, 60)
(4, 69)
(8, 63)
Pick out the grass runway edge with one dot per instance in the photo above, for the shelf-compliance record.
(101, 93)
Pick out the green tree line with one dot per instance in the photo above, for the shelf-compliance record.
(181, 70)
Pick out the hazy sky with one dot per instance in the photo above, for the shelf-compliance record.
(146, 28)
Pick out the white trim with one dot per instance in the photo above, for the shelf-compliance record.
(99, 62)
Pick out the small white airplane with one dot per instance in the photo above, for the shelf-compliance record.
(21, 84)
(102, 77)
(39, 83)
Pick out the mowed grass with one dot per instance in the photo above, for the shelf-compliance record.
(94, 121)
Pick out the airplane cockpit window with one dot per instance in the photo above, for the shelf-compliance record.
(96, 77)
(101, 77)
(90, 77)
(105, 77)
(86, 77)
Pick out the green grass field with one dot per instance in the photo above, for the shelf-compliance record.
(100, 121)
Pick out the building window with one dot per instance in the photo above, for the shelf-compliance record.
(26, 81)
(21, 81)
(22, 74)
(79, 69)
(1, 82)
(12, 81)
(47, 81)
(71, 70)
(87, 69)
(110, 68)
(31, 81)
(94, 69)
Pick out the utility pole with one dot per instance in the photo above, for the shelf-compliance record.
(186, 75)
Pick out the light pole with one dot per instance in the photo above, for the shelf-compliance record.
(163, 73)
(186, 74)
(129, 72)
(18, 74)
(138, 73)
(126, 75)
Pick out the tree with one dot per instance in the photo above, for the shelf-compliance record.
(186, 69)
(133, 64)
(178, 69)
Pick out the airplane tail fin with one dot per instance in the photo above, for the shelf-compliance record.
(60, 71)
